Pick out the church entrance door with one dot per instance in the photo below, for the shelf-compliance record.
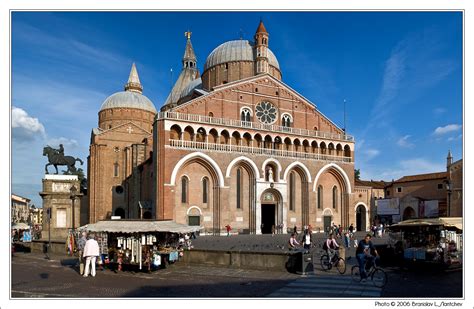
(268, 217)
(361, 225)
(327, 223)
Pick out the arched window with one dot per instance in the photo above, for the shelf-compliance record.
(320, 197)
(292, 191)
(286, 120)
(239, 188)
(116, 169)
(334, 197)
(205, 189)
(184, 189)
(245, 115)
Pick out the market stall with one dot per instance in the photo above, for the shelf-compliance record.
(437, 240)
(130, 244)
(21, 232)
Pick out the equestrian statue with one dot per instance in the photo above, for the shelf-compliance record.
(56, 157)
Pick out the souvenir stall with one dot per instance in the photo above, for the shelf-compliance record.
(437, 240)
(146, 245)
(21, 232)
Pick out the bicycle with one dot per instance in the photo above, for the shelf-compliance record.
(336, 261)
(375, 273)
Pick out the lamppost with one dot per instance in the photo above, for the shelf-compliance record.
(73, 192)
(449, 189)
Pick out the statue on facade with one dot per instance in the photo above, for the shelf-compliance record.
(270, 174)
(56, 157)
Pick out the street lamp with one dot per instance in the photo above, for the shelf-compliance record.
(449, 189)
(73, 192)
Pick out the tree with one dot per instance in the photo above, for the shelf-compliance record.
(82, 178)
(357, 174)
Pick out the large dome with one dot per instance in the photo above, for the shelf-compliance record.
(238, 50)
(128, 99)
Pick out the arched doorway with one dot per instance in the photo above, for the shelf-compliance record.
(409, 213)
(361, 214)
(271, 214)
(327, 220)
(120, 212)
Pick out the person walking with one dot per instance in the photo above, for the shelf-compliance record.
(228, 228)
(91, 252)
(347, 240)
(80, 247)
(307, 239)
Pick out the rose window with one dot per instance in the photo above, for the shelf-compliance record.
(266, 112)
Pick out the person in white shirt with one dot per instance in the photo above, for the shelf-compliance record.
(307, 239)
(91, 252)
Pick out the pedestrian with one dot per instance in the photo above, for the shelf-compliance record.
(228, 228)
(91, 252)
(347, 239)
(273, 230)
(80, 248)
(307, 240)
(293, 243)
(295, 231)
(351, 229)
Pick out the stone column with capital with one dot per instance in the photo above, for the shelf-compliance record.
(56, 195)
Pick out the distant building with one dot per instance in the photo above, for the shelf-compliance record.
(20, 210)
(429, 195)
(366, 194)
(36, 215)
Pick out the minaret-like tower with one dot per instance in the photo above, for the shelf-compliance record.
(189, 73)
(189, 58)
(133, 83)
(449, 159)
(261, 49)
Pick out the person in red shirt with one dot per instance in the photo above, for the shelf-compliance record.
(228, 228)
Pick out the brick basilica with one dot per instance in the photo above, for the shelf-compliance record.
(234, 145)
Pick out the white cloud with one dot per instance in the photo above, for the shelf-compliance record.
(447, 129)
(451, 139)
(439, 111)
(370, 153)
(25, 127)
(403, 142)
(67, 143)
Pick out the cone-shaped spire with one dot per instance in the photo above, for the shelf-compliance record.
(133, 83)
(449, 159)
(261, 28)
(189, 58)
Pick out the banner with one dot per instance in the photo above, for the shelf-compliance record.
(428, 209)
(390, 206)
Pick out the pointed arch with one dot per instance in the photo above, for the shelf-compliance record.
(242, 158)
(299, 164)
(206, 159)
(338, 170)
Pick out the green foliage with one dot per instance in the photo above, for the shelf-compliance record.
(357, 174)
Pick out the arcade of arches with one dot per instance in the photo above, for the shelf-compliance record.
(256, 196)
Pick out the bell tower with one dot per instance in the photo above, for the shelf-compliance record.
(261, 49)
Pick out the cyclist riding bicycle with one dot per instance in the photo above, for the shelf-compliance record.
(331, 246)
(365, 252)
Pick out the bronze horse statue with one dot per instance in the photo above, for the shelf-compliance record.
(56, 159)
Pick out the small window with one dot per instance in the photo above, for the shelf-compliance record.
(119, 189)
(277, 93)
(399, 189)
(116, 169)
(440, 186)
(226, 66)
(205, 189)
(256, 89)
(184, 189)
(224, 82)
(211, 114)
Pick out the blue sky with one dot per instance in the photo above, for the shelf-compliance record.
(400, 72)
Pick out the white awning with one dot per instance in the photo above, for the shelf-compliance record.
(128, 226)
(20, 226)
(447, 222)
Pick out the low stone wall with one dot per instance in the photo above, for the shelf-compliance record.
(237, 259)
(57, 247)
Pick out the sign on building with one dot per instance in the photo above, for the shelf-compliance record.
(389, 206)
(428, 209)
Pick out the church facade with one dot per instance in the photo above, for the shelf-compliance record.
(234, 146)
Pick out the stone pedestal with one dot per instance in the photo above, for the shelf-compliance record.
(58, 201)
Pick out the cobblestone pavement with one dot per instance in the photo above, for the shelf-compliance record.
(34, 276)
